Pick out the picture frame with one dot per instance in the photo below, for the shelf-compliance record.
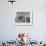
(23, 18)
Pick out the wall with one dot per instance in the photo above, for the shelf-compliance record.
(37, 30)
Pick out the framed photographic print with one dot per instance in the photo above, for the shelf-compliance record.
(22, 18)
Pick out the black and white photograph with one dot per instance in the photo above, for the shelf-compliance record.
(23, 18)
